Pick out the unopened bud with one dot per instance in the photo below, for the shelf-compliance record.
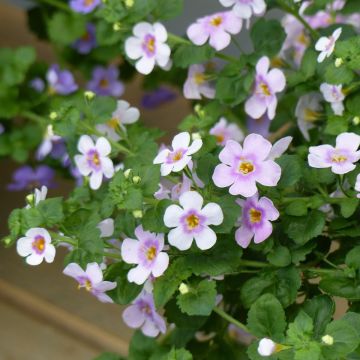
(53, 115)
(127, 173)
(356, 120)
(138, 214)
(183, 288)
(129, 3)
(136, 179)
(117, 26)
(338, 62)
(327, 340)
(199, 111)
(89, 95)
(196, 136)
(7, 241)
(30, 199)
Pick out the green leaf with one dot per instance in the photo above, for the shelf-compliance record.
(270, 44)
(200, 300)
(338, 75)
(231, 211)
(279, 256)
(51, 210)
(186, 55)
(166, 10)
(311, 350)
(291, 170)
(109, 356)
(336, 125)
(348, 50)
(352, 258)
(153, 219)
(348, 206)
(205, 167)
(266, 318)
(141, 347)
(101, 109)
(303, 229)
(297, 208)
(14, 224)
(339, 284)
(353, 104)
(178, 354)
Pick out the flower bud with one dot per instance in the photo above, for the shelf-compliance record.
(184, 289)
(327, 340)
(30, 199)
(339, 62)
(136, 179)
(129, 3)
(356, 120)
(266, 347)
(89, 95)
(127, 173)
(7, 241)
(138, 214)
(53, 115)
(117, 26)
(196, 136)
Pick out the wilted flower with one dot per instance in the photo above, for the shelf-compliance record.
(255, 220)
(223, 131)
(36, 246)
(84, 6)
(267, 84)
(191, 221)
(91, 279)
(180, 155)
(147, 253)
(326, 45)
(60, 81)
(242, 167)
(245, 8)
(218, 28)
(46, 146)
(155, 98)
(197, 84)
(94, 160)
(105, 81)
(335, 96)
(340, 158)
(87, 42)
(142, 314)
(259, 126)
(148, 47)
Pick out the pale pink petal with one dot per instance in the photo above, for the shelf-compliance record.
(24, 246)
(258, 145)
(96, 180)
(142, 28)
(133, 317)
(349, 141)
(160, 32)
(74, 270)
(255, 107)
(276, 80)
(271, 212)
(49, 253)
(180, 164)
(223, 176)
(107, 167)
(230, 153)
(243, 236)
(161, 157)
(150, 329)
(85, 144)
(194, 147)
(219, 40)
(145, 65)
(262, 66)
(243, 186)
(263, 232)
(166, 169)
(94, 272)
(322, 43)
(279, 147)
(103, 146)
(181, 141)
(82, 165)
(34, 259)
(196, 34)
(133, 48)
(342, 168)
(271, 110)
(242, 10)
(191, 200)
(269, 174)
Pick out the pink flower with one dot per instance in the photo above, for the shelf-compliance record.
(245, 8)
(180, 155)
(334, 95)
(142, 314)
(267, 84)
(147, 253)
(340, 158)
(243, 167)
(326, 45)
(224, 132)
(91, 279)
(216, 28)
(197, 84)
(255, 221)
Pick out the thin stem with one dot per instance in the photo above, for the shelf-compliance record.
(341, 186)
(34, 117)
(56, 3)
(230, 319)
(320, 271)
(226, 57)
(61, 238)
(112, 255)
(251, 263)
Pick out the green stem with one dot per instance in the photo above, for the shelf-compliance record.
(341, 186)
(112, 255)
(251, 263)
(320, 271)
(57, 4)
(61, 238)
(230, 319)
(226, 57)
(34, 117)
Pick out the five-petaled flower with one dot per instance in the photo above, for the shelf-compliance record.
(142, 314)
(197, 83)
(267, 84)
(255, 220)
(340, 158)
(60, 81)
(87, 42)
(180, 155)
(326, 45)
(94, 160)
(191, 221)
(148, 47)
(105, 82)
(242, 166)
(36, 246)
(147, 253)
(334, 95)
(245, 8)
(91, 280)
(217, 28)
(223, 131)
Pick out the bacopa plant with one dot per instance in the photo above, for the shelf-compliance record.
(235, 240)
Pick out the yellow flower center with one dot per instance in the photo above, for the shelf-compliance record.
(151, 44)
(216, 21)
(104, 83)
(177, 156)
(246, 167)
(338, 158)
(192, 221)
(199, 78)
(88, 2)
(113, 123)
(255, 215)
(146, 309)
(87, 285)
(39, 244)
(265, 89)
(303, 39)
(151, 253)
(310, 115)
(220, 138)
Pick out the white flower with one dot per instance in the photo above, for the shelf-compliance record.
(94, 160)
(39, 195)
(307, 112)
(148, 47)
(47, 144)
(245, 8)
(266, 347)
(191, 221)
(177, 158)
(326, 45)
(335, 96)
(36, 246)
(106, 227)
(357, 185)
(123, 115)
(279, 147)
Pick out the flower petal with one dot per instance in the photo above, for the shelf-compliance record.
(138, 275)
(191, 200)
(85, 144)
(255, 144)
(230, 152)
(205, 239)
(178, 238)
(133, 317)
(243, 236)
(181, 141)
(263, 232)
(172, 216)
(129, 251)
(213, 214)
(94, 273)
(161, 264)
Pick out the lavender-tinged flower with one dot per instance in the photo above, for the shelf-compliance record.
(259, 126)
(162, 193)
(340, 158)
(326, 45)
(94, 160)
(180, 155)
(123, 115)
(197, 84)
(148, 46)
(334, 94)
(36, 246)
(307, 112)
(91, 279)
(223, 131)
(47, 144)
(216, 28)
(266, 347)
(267, 84)
(104, 81)
(191, 221)
(142, 314)
(255, 220)
(26, 177)
(37, 84)
(147, 253)
(279, 147)
(106, 227)
(60, 81)
(180, 188)
(84, 6)
(153, 99)
(245, 8)
(87, 42)
(243, 167)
